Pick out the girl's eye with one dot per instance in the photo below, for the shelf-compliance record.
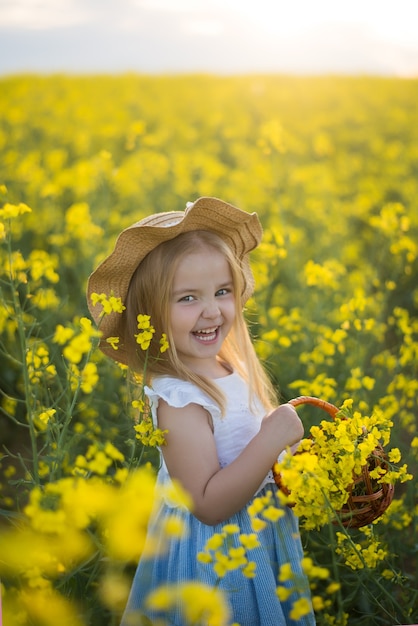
(187, 299)
(223, 292)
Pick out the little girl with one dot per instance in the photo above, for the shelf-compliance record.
(190, 272)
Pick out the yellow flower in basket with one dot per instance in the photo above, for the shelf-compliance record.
(341, 473)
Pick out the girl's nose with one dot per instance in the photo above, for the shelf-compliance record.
(211, 310)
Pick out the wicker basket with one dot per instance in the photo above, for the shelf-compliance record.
(367, 499)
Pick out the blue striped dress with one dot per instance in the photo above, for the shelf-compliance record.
(252, 601)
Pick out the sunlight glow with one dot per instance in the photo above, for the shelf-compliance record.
(289, 19)
(226, 35)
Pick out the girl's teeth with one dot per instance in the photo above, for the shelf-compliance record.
(206, 335)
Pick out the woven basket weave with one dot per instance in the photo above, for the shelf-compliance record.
(367, 499)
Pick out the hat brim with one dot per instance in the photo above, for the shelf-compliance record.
(241, 231)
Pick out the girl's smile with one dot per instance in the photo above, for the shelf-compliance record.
(202, 308)
(207, 335)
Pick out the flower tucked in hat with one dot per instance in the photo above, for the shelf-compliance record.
(240, 230)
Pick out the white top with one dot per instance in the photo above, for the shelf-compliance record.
(232, 432)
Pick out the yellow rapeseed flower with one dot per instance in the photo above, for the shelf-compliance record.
(258, 524)
(148, 435)
(202, 605)
(164, 345)
(87, 378)
(110, 304)
(318, 603)
(286, 572)
(63, 334)
(125, 535)
(231, 529)
(113, 341)
(99, 464)
(237, 557)
(46, 299)
(312, 570)
(394, 455)
(249, 570)
(322, 472)
(39, 366)
(333, 588)
(144, 338)
(174, 526)
(214, 542)
(114, 590)
(272, 513)
(249, 541)
(78, 222)
(78, 344)
(10, 211)
(41, 606)
(144, 321)
(42, 264)
(300, 607)
(43, 418)
(221, 564)
(284, 593)
(204, 557)
(360, 555)
(41, 550)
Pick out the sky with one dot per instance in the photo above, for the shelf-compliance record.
(211, 36)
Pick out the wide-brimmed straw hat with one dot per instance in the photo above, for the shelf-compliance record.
(240, 230)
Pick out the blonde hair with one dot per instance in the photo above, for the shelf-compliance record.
(150, 293)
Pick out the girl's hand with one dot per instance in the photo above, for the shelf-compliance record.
(284, 425)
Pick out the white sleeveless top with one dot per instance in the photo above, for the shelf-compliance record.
(232, 432)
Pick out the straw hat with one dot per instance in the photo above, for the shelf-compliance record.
(240, 230)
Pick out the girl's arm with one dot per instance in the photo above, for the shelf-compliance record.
(191, 458)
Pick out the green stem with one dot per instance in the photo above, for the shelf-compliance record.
(384, 591)
(335, 573)
(61, 439)
(22, 340)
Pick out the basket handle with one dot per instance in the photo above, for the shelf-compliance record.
(322, 404)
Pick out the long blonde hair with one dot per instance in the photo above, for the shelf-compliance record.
(150, 293)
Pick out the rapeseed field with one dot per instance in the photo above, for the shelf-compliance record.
(330, 164)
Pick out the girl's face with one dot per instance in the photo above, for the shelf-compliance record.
(202, 309)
